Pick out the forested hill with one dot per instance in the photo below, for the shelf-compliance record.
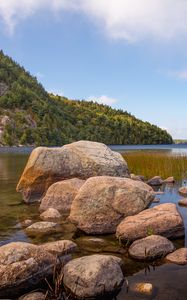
(31, 116)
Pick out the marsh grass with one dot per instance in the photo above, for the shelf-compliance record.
(150, 164)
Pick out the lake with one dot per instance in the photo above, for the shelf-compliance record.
(169, 280)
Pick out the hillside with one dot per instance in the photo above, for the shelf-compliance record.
(29, 115)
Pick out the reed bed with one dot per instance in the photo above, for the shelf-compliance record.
(150, 164)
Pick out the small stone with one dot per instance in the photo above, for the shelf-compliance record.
(156, 200)
(155, 181)
(151, 247)
(26, 223)
(136, 177)
(50, 214)
(59, 248)
(169, 180)
(178, 257)
(183, 202)
(183, 190)
(41, 227)
(144, 288)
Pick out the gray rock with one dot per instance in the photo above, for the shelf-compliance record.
(103, 201)
(41, 227)
(163, 219)
(178, 257)
(60, 195)
(81, 159)
(151, 247)
(91, 276)
(155, 181)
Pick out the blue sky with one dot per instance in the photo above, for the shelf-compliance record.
(130, 54)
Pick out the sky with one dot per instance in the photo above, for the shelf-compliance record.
(129, 54)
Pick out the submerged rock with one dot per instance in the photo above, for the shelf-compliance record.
(155, 181)
(23, 267)
(151, 247)
(51, 214)
(183, 191)
(81, 159)
(178, 257)
(163, 219)
(59, 248)
(143, 288)
(41, 227)
(93, 276)
(60, 195)
(102, 202)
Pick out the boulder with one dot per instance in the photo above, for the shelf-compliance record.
(156, 200)
(60, 195)
(33, 296)
(51, 214)
(183, 202)
(92, 276)
(81, 159)
(151, 247)
(183, 191)
(59, 248)
(178, 257)
(103, 201)
(23, 267)
(41, 228)
(155, 181)
(163, 219)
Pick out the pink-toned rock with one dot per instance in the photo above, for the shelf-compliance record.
(163, 219)
(151, 247)
(183, 191)
(102, 202)
(59, 248)
(60, 195)
(51, 214)
(81, 159)
(43, 227)
(156, 200)
(23, 267)
(33, 296)
(178, 257)
(169, 180)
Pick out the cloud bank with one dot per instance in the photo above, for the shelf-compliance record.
(103, 100)
(131, 20)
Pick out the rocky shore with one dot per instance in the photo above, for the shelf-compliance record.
(91, 186)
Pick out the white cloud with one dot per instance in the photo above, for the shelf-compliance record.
(180, 74)
(103, 100)
(131, 20)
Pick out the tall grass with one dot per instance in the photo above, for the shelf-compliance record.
(150, 164)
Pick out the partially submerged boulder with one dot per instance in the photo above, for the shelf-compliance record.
(151, 247)
(103, 201)
(93, 276)
(81, 159)
(178, 257)
(183, 191)
(163, 219)
(23, 267)
(183, 202)
(60, 195)
(169, 180)
(33, 296)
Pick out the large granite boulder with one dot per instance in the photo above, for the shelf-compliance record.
(163, 219)
(103, 201)
(81, 159)
(60, 195)
(151, 247)
(23, 267)
(93, 276)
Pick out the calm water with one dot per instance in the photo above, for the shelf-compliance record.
(169, 280)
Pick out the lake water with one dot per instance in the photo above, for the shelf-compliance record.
(169, 280)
